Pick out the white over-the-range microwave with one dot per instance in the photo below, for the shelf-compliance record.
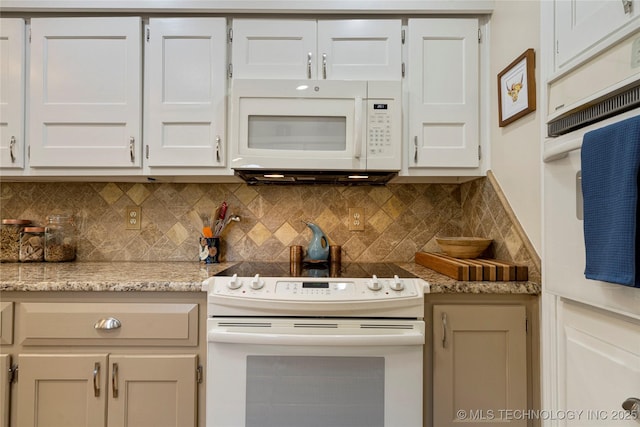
(315, 130)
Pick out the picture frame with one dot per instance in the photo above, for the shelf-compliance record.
(517, 89)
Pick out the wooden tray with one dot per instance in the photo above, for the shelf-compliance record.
(477, 269)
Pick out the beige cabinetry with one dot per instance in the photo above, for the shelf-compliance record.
(480, 361)
(95, 359)
(5, 365)
(107, 389)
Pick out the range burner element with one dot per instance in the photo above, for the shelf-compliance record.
(306, 269)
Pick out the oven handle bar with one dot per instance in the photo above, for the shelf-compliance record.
(406, 338)
(560, 150)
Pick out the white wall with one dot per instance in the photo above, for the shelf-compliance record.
(515, 148)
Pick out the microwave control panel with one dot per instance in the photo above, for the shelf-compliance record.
(379, 139)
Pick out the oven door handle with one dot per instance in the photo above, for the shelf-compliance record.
(262, 338)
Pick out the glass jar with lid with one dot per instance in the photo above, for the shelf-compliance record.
(60, 238)
(32, 244)
(10, 239)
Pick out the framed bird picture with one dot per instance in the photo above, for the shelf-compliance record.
(517, 88)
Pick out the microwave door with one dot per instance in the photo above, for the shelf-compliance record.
(300, 133)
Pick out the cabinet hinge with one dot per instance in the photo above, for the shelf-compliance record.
(230, 35)
(28, 151)
(148, 36)
(402, 70)
(402, 35)
(146, 151)
(29, 35)
(557, 46)
(479, 35)
(199, 374)
(13, 374)
(479, 152)
(230, 70)
(526, 325)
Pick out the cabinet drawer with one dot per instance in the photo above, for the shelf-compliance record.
(6, 322)
(135, 324)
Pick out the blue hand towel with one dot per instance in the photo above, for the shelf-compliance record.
(610, 164)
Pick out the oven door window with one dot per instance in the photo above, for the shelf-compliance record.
(314, 391)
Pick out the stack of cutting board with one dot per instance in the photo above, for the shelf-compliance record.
(476, 269)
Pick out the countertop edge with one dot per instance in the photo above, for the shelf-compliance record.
(188, 277)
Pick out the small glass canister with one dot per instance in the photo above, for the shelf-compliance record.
(10, 239)
(60, 238)
(32, 244)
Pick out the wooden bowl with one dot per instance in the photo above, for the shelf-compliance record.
(463, 247)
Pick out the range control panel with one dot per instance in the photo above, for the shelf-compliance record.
(315, 289)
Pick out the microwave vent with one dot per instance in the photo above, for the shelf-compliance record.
(602, 108)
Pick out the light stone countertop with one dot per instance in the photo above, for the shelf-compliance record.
(188, 277)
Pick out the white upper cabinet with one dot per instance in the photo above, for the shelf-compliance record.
(443, 91)
(583, 26)
(85, 92)
(186, 84)
(346, 49)
(12, 80)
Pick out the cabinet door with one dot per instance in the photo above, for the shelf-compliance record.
(85, 92)
(359, 49)
(598, 365)
(582, 24)
(62, 390)
(443, 93)
(274, 49)
(12, 78)
(479, 364)
(153, 391)
(186, 61)
(5, 364)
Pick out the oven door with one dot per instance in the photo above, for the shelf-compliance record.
(296, 372)
(283, 124)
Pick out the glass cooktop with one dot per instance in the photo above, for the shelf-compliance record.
(342, 270)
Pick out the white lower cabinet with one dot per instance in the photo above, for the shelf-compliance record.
(481, 359)
(107, 390)
(598, 366)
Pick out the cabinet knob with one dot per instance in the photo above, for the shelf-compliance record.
(108, 323)
(632, 404)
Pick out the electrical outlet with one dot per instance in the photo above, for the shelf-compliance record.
(635, 53)
(356, 219)
(133, 218)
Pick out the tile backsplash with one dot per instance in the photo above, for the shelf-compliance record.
(400, 219)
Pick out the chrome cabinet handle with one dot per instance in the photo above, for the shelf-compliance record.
(632, 404)
(108, 323)
(324, 66)
(96, 379)
(12, 144)
(114, 380)
(132, 144)
(415, 151)
(218, 149)
(444, 330)
(309, 56)
(628, 6)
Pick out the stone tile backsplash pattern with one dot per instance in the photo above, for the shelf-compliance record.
(400, 218)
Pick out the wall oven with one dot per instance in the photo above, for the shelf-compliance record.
(315, 125)
(293, 350)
